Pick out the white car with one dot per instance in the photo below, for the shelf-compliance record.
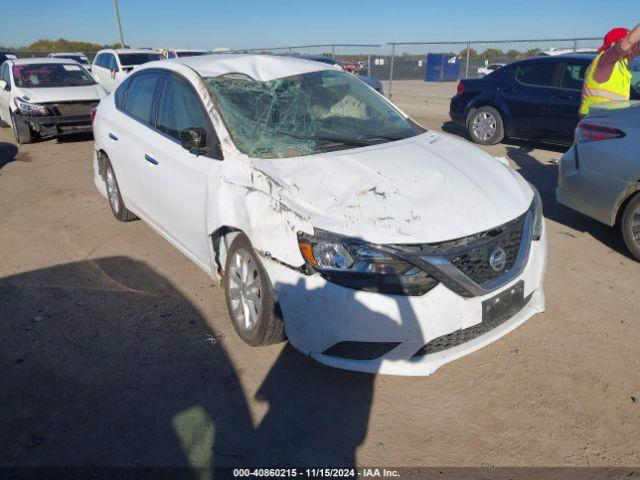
(112, 65)
(490, 68)
(79, 57)
(332, 218)
(46, 97)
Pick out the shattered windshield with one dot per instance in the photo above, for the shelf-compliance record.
(306, 114)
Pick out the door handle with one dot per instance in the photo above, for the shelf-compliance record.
(113, 137)
(150, 159)
(562, 97)
(508, 90)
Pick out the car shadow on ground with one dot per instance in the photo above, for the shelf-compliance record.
(76, 137)
(545, 177)
(8, 153)
(105, 363)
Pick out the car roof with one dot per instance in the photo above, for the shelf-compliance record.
(129, 50)
(31, 61)
(259, 67)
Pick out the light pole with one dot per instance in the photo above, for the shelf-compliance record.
(115, 8)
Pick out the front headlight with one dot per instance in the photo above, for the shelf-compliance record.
(30, 108)
(538, 221)
(355, 264)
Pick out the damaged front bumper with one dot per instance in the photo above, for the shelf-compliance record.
(394, 334)
(48, 126)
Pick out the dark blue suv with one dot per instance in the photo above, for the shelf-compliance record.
(535, 99)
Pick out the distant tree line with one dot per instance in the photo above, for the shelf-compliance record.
(61, 45)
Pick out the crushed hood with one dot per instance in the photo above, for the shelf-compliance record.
(429, 188)
(62, 94)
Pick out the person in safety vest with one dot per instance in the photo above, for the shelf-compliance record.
(608, 78)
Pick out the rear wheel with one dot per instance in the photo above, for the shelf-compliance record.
(485, 126)
(115, 198)
(21, 130)
(250, 299)
(631, 226)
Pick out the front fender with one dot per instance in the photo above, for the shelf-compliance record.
(248, 200)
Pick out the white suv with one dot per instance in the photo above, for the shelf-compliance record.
(111, 66)
(331, 217)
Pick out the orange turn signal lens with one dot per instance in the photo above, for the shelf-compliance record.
(307, 253)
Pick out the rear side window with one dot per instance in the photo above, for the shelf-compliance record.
(538, 74)
(180, 108)
(121, 93)
(140, 96)
(573, 75)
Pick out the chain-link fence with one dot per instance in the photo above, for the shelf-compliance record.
(451, 61)
(426, 61)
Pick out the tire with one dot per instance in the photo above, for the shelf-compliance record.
(21, 130)
(115, 198)
(485, 126)
(250, 300)
(631, 226)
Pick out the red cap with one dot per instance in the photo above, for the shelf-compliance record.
(614, 36)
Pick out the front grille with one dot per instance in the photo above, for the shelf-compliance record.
(360, 350)
(474, 260)
(72, 109)
(465, 335)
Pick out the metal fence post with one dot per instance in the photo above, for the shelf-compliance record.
(575, 45)
(466, 70)
(333, 52)
(368, 65)
(393, 55)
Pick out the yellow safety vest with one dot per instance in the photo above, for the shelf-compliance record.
(618, 87)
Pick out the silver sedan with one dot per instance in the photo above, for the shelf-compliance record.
(600, 174)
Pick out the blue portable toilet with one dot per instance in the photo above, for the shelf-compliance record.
(441, 68)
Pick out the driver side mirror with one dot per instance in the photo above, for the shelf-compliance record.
(4, 85)
(194, 140)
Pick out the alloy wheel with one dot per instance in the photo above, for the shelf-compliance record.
(635, 225)
(245, 290)
(112, 191)
(484, 126)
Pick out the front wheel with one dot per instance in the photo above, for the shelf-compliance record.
(485, 126)
(250, 299)
(631, 226)
(21, 130)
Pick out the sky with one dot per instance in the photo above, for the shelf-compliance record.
(241, 24)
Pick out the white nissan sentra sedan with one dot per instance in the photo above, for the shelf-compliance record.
(332, 219)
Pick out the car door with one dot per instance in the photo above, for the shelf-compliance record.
(176, 180)
(5, 94)
(130, 135)
(567, 98)
(527, 91)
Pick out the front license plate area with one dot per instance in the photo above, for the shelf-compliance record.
(503, 306)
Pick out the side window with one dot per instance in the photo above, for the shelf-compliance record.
(4, 74)
(98, 60)
(140, 96)
(171, 55)
(180, 108)
(537, 74)
(573, 75)
(112, 64)
(121, 93)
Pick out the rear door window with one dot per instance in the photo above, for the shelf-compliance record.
(140, 96)
(537, 74)
(573, 75)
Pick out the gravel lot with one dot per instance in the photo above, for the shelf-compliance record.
(117, 350)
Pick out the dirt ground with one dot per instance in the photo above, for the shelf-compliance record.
(117, 350)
